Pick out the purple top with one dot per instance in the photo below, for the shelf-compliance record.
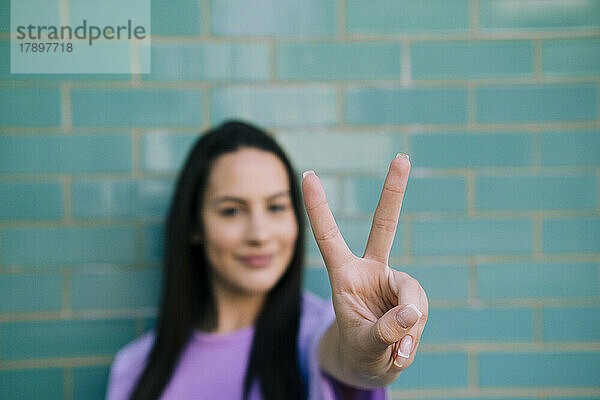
(213, 366)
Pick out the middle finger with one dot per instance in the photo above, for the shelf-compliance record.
(385, 219)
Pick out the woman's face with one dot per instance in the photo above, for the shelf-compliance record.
(250, 229)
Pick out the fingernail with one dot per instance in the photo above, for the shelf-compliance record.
(408, 316)
(310, 172)
(405, 347)
(403, 155)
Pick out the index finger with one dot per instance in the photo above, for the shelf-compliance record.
(385, 219)
(333, 248)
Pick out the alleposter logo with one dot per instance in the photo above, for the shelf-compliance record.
(80, 36)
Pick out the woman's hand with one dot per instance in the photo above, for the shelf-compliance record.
(380, 312)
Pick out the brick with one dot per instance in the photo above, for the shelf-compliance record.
(209, 62)
(5, 16)
(440, 282)
(151, 107)
(273, 17)
(40, 292)
(338, 61)
(90, 383)
(571, 235)
(482, 325)
(571, 148)
(153, 243)
(563, 57)
(32, 384)
(361, 195)
(41, 200)
(574, 398)
(116, 198)
(468, 59)
(30, 107)
(313, 151)
(536, 192)
(164, 152)
(127, 289)
(434, 370)
(469, 237)
(527, 280)
(176, 17)
(516, 369)
(372, 106)
(526, 15)
(275, 106)
(392, 16)
(32, 340)
(570, 324)
(68, 245)
(537, 103)
(356, 233)
(65, 153)
(451, 150)
(316, 281)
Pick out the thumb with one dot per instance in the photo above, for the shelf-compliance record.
(393, 325)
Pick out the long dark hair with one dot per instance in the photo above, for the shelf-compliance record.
(187, 299)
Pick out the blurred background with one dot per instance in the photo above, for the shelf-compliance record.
(496, 101)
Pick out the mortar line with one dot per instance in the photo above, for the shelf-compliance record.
(66, 109)
(65, 12)
(68, 386)
(342, 16)
(471, 105)
(470, 176)
(139, 227)
(472, 293)
(538, 324)
(340, 92)
(273, 54)
(66, 311)
(474, 28)
(472, 374)
(205, 107)
(597, 192)
(538, 61)
(537, 222)
(206, 18)
(136, 170)
(406, 64)
(67, 194)
(536, 150)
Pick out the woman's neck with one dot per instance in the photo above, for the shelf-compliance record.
(236, 310)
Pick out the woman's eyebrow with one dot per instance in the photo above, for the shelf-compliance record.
(240, 200)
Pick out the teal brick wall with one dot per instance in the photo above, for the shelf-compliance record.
(496, 101)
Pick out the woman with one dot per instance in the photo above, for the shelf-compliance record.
(233, 322)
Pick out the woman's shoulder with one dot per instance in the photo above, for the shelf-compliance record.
(314, 306)
(137, 350)
(131, 358)
(316, 313)
(127, 365)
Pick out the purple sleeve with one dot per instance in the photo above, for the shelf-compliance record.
(321, 385)
(126, 368)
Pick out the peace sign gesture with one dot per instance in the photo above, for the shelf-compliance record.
(380, 312)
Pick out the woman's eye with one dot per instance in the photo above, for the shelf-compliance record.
(277, 207)
(229, 212)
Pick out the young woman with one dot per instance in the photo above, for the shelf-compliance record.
(233, 321)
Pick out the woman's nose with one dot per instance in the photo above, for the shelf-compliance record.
(258, 229)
